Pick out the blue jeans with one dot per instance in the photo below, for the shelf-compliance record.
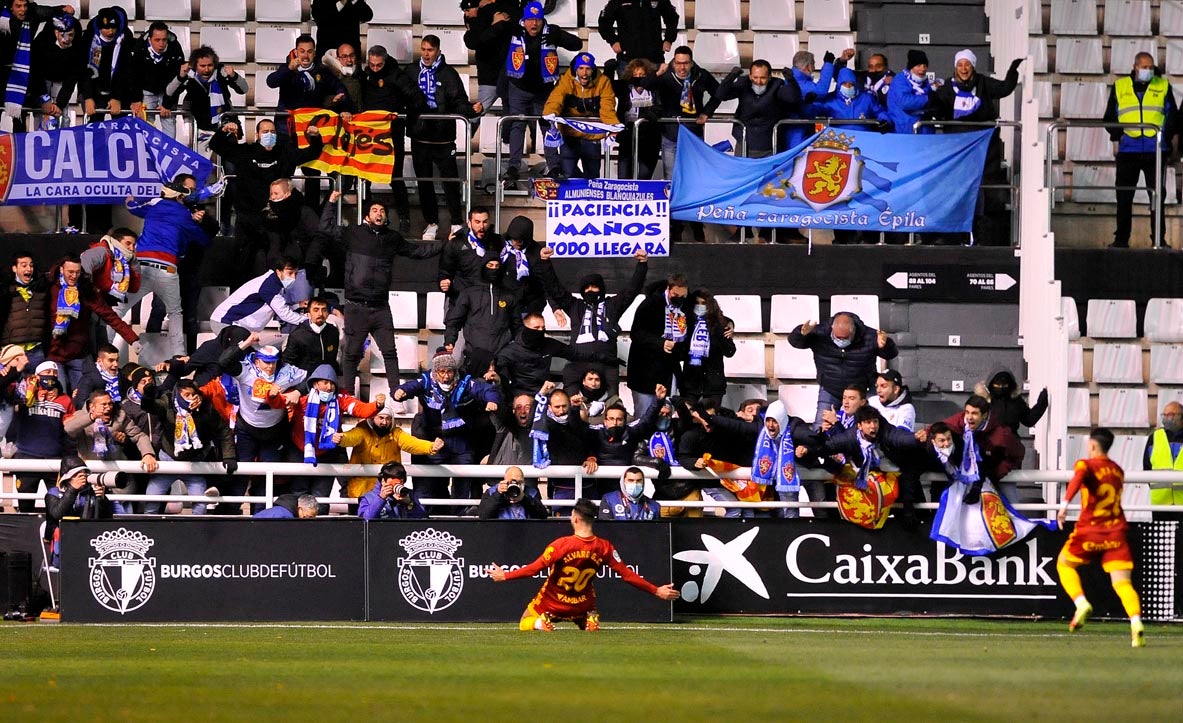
(152, 101)
(160, 484)
(642, 402)
(580, 153)
(825, 401)
(520, 102)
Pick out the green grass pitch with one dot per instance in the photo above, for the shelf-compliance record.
(694, 669)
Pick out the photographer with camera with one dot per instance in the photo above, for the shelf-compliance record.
(100, 431)
(512, 499)
(392, 499)
(78, 494)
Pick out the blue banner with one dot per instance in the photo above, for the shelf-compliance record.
(840, 179)
(95, 163)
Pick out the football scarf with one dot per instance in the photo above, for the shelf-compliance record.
(521, 265)
(775, 462)
(428, 83)
(120, 270)
(18, 75)
(870, 460)
(674, 322)
(966, 102)
(69, 305)
(185, 429)
(217, 96)
(700, 342)
(515, 59)
(445, 402)
(104, 441)
(968, 470)
(110, 384)
(317, 434)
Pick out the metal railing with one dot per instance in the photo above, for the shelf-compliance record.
(1048, 481)
(1156, 193)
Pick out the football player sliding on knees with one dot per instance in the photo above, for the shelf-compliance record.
(568, 593)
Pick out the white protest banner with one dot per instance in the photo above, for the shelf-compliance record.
(601, 217)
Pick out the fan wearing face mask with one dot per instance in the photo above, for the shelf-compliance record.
(254, 304)
(488, 314)
(844, 351)
(524, 363)
(629, 502)
(910, 94)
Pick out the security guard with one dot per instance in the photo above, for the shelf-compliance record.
(1164, 451)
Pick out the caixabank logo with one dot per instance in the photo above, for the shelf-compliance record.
(122, 577)
(430, 576)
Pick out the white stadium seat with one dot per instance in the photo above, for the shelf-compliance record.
(398, 12)
(280, 11)
(1174, 55)
(799, 399)
(1123, 50)
(379, 385)
(1093, 184)
(404, 309)
(1076, 447)
(1034, 12)
(1117, 363)
(866, 306)
(744, 310)
(1123, 407)
(223, 11)
(716, 52)
(452, 46)
(397, 42)
(1075, 363)
(229, 41)
(1044, 98)
(1037, 51)
(791, 310)
(600, 49)
(1111, 319)
(1127, 451)
(819, 43)
(717, 15)
(96, 5)
(772, 15)
(826, 15)
(1163, 321)
(748, 361)
(1089, 144)
(168, 9)
(681, 40)
(184, 38)
(1083, 99)
(626, 319)
(1078, 407)
(407, 348)
(1127, 17)
(434, 14)
(1170, 21)
(265, 97)
(209, 298)
(1071, 317)
(1079, 55)
(273, 43)
(1074, 17)
(435, 310)
(1165, 397)
(565, 15)
(1166, 363)
(552, 324)
(789, 362)
(777, 48)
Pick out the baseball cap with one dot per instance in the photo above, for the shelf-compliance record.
(892, 376)
(10, 352)
(47, 367)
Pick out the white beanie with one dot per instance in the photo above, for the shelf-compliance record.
(966, 54)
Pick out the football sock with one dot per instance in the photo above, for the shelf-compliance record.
(1070, 580)
(1129, 598)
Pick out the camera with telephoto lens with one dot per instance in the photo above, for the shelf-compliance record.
(513, 490)
(402, 494)
(110, 480)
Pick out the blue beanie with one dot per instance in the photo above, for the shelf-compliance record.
(583, 59)
(533, 11)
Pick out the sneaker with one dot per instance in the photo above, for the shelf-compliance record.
(453, 229)
(1083, 611)
(430, 232)
(71, 230)
(593, 622)
(404, 226)
(548, 623)
(1137, 634)
(510, 175)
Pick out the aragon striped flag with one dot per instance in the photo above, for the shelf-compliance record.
(361, 146)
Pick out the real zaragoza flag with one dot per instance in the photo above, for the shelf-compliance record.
(361, 147)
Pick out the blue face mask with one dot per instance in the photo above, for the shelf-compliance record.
(267, 140)
(840, 343)
(848, 92)
(1145, 75)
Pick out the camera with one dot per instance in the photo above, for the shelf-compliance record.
(402, 494)
(513, 491)
(110, 480)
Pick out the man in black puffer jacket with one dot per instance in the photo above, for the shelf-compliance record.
(370, 248)
(844, 351)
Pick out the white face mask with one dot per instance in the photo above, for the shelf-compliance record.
(848, 92)
(347, 70)
(267, 140)
(446, 387)
(561, 419)
(700, 309)
(633, 490)
(1145, 75)
(840, 343)
(318, 328)
(759, 89)
(287, 281)
(323, 396)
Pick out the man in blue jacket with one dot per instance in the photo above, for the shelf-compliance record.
(910, 93)
(391, 499)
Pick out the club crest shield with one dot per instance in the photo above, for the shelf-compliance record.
(518, 58)
(552, 63)
(5, 165)
(828, 173)
(765, 465)
(998, 521)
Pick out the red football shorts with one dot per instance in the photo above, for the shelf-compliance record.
(1111, 548)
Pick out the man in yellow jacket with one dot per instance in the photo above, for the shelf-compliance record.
(583, 105)
(1164, 451)
(378, 441)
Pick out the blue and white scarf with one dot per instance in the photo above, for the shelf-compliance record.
(968, 471)
(185, 430)
(477, 246)
(586, 125)
(18, 76)
(231, 388)
(307, 77)
(674, 326)
(110, 384)
(775, 462)
(446, 403)
(318, 434)
(700, 342)
(104, 441)
(120, 271)
(870, 459)
(515, 59)
(966, 102)
(69, 306)
(428, 82)
(95, 59)
(217, 95)
(538, 432)
(845, 419)
(521, 265)
(918, 87)
(661, 446)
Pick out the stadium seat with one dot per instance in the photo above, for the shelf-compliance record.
(1123, 407)
(1165, 397)
(488, 138)
(1141, 197)
(866, 306)
(826, 15)
(184, 38)
(208, 300)
(717, 15)
(452, 46)
(1074, 17)
(1163, 321)
(1170, 20)
(799, 399)
(744, 310)
(1166, 363)
(565, 15)
(1127, 17)
(1078, 407)
(1127, 451)
(1043, 97)
(1111, 319)
(737, 393)
(626, 319)
(397, 42)
(680, 6)
(626, 397)
(1083, 99)
(789, 362)
(1089, 144)
(1094, 184)
(679, 41)
(1037, 50)
(599, 48)
(624, 344)
(552, 324)
(777, 48)
(96, 5)
(1075, 363)
(1174, 56)
(777, 15)
(435, 310)
(281, 11)
(168, 9)
(1034, 10)
(204, 336)
(273, 43)
(1117, 363)
(265, 97)
(229, 41)
(1123, 50)
(1075, 447)
(1079, 55)
(223, 11)
(819, 43)
(407, 348)
(716, 52)
(378, 385)
(791, 310)
(404, 309)
(398, 12)
(748, 361)
(445, 13)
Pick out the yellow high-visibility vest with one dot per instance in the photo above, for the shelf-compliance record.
(1151, 109)
(1160, 459)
